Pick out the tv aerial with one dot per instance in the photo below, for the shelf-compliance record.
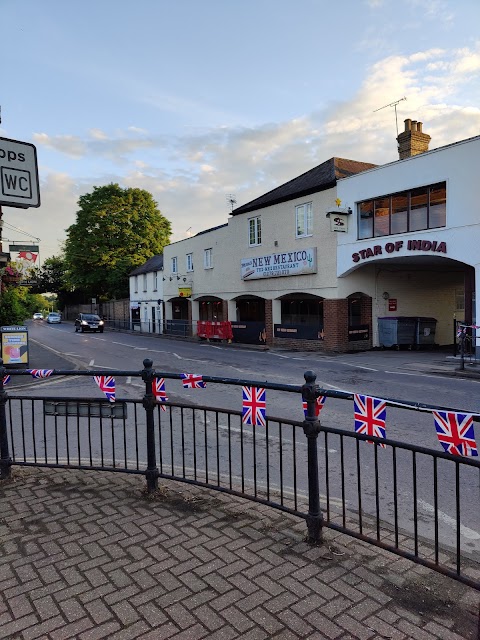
(394, 105)
(231, 199)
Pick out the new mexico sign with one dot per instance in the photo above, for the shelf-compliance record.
(275, 265)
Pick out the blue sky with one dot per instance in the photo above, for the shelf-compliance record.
(196, 99)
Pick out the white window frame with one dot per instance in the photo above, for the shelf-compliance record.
(255, 231)
(208, 258)
(155, 280)
(174, 265)
(135, 283)
(145, 282)
(304, 215)
(189, 262)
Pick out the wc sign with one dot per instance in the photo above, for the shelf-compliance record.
(18, 174)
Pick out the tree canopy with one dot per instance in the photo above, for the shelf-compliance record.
(116, 230)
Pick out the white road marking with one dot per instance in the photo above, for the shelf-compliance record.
(140, 348)
(278, 355)
(91, 363)
(465, 531)
(418, 375)
(129, 380)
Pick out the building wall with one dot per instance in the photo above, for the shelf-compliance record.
(148, 297)
(424, 282)
(230, 246)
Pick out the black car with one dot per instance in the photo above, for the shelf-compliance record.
(88, 322)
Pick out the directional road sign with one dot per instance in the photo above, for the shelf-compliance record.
(18, 174)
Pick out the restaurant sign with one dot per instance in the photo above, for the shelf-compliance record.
(432, 246)
(275, 265)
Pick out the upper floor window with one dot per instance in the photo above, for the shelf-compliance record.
(155, 280)
(174, 265)
(135, 283)
(304, 220)
(255, 231)
(207, 259)
(189, 261)
(144, 281)
(414, 210)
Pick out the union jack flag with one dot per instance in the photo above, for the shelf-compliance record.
(159, 391)
(40, 373)
(107, 385)
(455, 432)
(254, 406)
(6, 379)
(318, 406)
(192, 381)
(370, 415)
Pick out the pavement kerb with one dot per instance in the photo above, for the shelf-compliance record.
(88, 555)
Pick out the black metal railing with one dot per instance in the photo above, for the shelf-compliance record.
(419, 503)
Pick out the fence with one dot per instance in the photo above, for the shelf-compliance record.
(395, 496)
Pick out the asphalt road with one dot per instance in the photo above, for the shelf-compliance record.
(405, 376)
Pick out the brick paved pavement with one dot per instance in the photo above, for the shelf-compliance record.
(88, 555)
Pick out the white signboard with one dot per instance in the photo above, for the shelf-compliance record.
(275, 265)
(18, 174)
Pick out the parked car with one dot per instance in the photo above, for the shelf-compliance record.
(38, 316)
(54, 318)
(88, 322)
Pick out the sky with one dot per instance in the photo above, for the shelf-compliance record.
(198, 100)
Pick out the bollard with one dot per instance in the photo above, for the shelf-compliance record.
(151, 474)
(5, 459)
(311, 428)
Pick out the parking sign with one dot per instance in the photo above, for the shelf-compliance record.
(18, 174)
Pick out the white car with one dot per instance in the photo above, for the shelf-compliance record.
(54, 318)
(38, 316)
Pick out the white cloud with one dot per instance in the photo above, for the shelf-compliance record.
(189, 176)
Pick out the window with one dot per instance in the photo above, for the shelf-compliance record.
(381, 220)
(459, 300)
(437, 210)
(304, 220)
(399, 213)
(189, 261)
(155, 280)
(418, 210)
(144, 281)
(135, 282)
(207, 259)
(414, 210)
(365, 219)
(254, 231)
(174, 265)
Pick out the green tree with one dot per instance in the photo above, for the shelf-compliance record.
(116, 230)
(51, 276)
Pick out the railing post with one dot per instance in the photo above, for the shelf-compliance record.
(151, 473)
(5, 459)
(311, 428)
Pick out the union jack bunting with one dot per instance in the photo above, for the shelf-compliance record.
(40, 373)
(318, 406)
(6, 379)
(455, 432)
(370, 415)
(254, 406)
(107, 385)
(159, 391)
(192, 381)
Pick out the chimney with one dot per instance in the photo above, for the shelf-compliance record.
(412, 141)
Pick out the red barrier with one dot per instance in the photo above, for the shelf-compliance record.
(216, 330)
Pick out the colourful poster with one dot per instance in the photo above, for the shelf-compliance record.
(14, 347)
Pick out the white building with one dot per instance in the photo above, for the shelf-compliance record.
(412, 243)
(314, 263)
(146, 296)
